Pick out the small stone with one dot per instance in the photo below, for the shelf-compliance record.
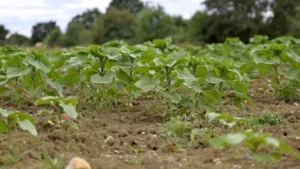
(297, 138)
(218, 162)
(109, 141)
(123, 133)
(51, 123)
(236, 166)
(296, 104)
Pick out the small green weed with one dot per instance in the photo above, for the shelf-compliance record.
(266, 117)
(176, 128)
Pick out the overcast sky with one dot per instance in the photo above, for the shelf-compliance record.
(20, 15)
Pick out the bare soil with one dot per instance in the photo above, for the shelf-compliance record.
(121, 140)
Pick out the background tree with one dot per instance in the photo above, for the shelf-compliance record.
(54, 38)
(119, 24)
(198, 27)
(234, 18)
(98, 30)
(134, 6)
(87, 18)
(17, 39)
(3, 34)
(41, 30)
(294, 24)
(283, 13)
(76, 34)
(180, 35)
(154, 23)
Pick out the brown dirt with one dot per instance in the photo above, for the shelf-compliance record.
(113, 140)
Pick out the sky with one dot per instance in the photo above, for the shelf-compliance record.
(20, 15)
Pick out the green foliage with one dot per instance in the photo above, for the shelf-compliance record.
(229, 18)
(41, 30)
(9, 120)
(98, 30)
(17, 39)
(227, 120)
(288, 90)
(3, 33)
(48, 161)
(54, 38)
(266, 117)
(87, 18)
(76, 34)
(134, 6)
(119, 24)
(283, 17)
(255, 141)
(198, 27)
(67, 104)
(176, 128)
(153, 23)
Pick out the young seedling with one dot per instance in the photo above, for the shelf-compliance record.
(10, 119)
(61, 105)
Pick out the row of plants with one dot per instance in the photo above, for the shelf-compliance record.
(196, 80)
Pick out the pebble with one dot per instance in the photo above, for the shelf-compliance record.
(109, 141)
(237, 166)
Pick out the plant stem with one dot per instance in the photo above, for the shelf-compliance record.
(9, 139)
(277, 74)
(221, 93)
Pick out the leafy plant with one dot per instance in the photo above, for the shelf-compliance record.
(255, 141)
(175, 128)
(67, 105)
(10, 119)
(266, 117)
(269, 57)
(48, 161)
(226, 119)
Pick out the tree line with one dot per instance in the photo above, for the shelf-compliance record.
(135, 22)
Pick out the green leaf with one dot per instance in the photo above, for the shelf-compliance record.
(73, 125)
(107, 78)
(186, 75)
(228, 139)
(212, 115)
(241, 87)
(69, 106)
(212, 96)
(275, 155)
(214, 80)
(58, 87)
(5, 113)
(174, 97)
(145, 83)
(43, 63)
(217, 72)
(123, 76)
(262, 157)
(70, 78)
(272, 141)
(148, 55)
(27, 125)
(16, 72)
(3, 126)
(47, 100)
(3, 79)
(201, 71)
(235, 138)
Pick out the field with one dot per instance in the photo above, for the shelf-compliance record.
(153, 105)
